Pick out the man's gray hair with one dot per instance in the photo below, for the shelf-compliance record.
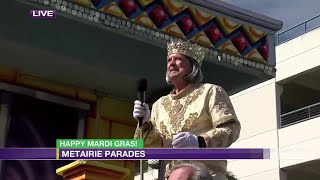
(195, 76)
(201, 171)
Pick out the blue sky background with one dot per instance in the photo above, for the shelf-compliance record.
(291, 12)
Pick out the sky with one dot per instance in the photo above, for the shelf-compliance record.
(291, 12)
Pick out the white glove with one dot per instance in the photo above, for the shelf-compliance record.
(185, 139)
(141, 111)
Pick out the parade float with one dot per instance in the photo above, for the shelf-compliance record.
(90, 56)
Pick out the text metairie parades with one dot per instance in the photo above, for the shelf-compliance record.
(100, 154)
(134, 153)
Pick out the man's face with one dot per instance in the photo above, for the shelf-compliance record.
(184, 173)
(178, 66)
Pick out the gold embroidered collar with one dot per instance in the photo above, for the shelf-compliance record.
(188, 89)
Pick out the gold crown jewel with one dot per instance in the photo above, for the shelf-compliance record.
(186, 48)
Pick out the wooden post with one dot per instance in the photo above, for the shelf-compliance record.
(92, 170)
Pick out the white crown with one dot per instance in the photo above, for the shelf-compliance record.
(186, 48)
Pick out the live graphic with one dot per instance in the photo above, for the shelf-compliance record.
(43, 13)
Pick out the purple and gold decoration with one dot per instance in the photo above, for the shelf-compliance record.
(176, 19)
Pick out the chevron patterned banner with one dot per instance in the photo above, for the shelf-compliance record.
(175, 18)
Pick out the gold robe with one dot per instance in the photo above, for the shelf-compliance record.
(201, 109)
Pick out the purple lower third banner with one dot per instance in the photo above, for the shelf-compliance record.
(132, 154)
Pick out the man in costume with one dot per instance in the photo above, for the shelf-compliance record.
(193, 115)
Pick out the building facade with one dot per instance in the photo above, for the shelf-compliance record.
(283, 114)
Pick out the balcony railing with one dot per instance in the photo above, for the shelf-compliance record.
(298, 30)
(300, 115)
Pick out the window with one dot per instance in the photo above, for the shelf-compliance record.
(38, 123)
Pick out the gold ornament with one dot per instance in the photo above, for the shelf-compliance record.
(186, 48)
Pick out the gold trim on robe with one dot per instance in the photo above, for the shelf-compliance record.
(201, 109)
